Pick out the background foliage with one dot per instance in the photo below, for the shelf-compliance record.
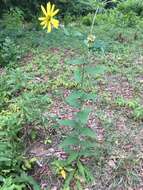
(74, 7)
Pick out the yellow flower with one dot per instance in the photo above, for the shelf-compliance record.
(47, 21)
(63, 173)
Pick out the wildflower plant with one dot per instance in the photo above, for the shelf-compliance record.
(81, 142)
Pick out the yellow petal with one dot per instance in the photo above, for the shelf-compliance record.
(43, 22)
(48, 7)
(43, 10)
(55, 12)
(44, 26)
(41, 18)
(63, 174)
(49, 27)
(52, 9)
(55, 22)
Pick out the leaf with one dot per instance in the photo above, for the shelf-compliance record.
(87, 145)
(1, 178)
(4, 159)
(99, 69)
(77, 34)
(81, 169)
(78, 184)
(74, 99)
(89, 176)
(67, 122)
(112, 164)
(69, 141)
(82, 116)
(68, 180)
(66, 32)
(90, 96)
(87, 153)
(87, 132)
(76, 61)
(78, 75)
(100, 45)
(29, 180)
(73, 156)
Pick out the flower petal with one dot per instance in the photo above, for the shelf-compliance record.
(49, 27)
(63, 173)
(41, 18)
(44, 26)
(55, 12)
(52, 9)
(43, 10)
(49, 8)
(55, 22)
(43, 22)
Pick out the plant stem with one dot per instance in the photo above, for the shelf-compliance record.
(93, 22)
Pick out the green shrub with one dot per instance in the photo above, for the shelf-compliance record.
(87, 20)
(9, 52)
(68, 19)
(74, 7)
(117, 18)
(13, 20)
(128, 6)
(9, 184)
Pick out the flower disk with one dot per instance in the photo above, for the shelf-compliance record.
(48, 21)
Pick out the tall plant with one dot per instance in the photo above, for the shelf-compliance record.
(81, 140)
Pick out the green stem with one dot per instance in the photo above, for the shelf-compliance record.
(93, 21)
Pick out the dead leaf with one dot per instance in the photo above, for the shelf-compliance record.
(112, 164)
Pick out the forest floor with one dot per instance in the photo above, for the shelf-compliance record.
(117, 111)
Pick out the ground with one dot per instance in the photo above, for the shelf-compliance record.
(116, 117)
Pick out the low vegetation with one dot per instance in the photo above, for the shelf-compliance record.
(71, 110)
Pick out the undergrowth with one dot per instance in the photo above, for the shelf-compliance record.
(35, 70)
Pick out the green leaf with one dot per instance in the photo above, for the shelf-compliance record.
(66, 32)
(76, 61)
(73, 156)
(78, 184)
(77, 34)
(68, 180)
(87, 153)
(78, 75)
(82, 116)
(87, 145)
(87, 132)
(66, 122)
(1, 178)
(99, 69)
(90, 96)
(69, 141)
(74, 99)
(4, 159)
(88, 174)
(81, 169)
(28, 179)
(100, 46)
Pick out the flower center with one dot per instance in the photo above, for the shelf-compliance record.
(48, 18)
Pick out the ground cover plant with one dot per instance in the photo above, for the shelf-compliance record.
(71, 110)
